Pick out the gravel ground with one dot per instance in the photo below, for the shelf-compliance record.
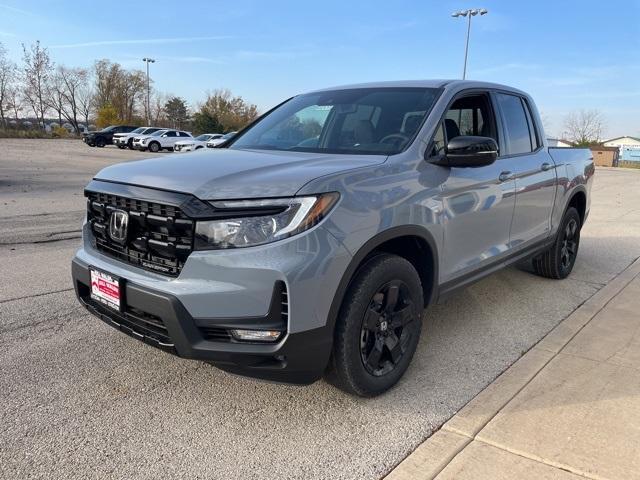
(80, 400)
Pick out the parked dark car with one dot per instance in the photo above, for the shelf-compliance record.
(103, 137)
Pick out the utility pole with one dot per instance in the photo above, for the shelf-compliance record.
(148, 61)
(472, 12)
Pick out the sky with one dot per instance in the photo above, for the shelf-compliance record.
(568, 55)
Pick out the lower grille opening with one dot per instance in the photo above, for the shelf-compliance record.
(134, 322)
(214, 334)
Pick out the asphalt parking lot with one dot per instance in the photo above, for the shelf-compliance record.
(80, 400)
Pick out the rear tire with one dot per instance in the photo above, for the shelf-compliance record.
(378, 327)
(154, 147)
(558, 261)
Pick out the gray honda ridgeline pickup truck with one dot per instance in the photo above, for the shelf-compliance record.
(310, 243)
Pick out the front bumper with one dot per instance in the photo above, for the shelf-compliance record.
(217, 291)
(298, 358)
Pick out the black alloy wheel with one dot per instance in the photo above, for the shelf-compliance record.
(569, 248)
(384, 338)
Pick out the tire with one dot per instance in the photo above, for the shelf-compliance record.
(100, 142)
(130, 144)
(558, 261)
(154, 147)
(376, 336)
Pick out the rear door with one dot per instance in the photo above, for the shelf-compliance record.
(532, 168)
(477, 202)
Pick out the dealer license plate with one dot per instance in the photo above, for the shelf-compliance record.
(106, 289)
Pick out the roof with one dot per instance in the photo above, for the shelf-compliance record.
(433, 83)
(624, 136)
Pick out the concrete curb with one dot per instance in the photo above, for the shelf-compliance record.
(435, 453)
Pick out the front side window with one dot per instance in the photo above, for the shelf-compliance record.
(467, 115)
(378, 121)
(518, 137)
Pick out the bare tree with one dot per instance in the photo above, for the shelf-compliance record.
(36, 73)
(86, 101)
(7, 79)
(584, 127)
(54, 99)
(124, 90)
(14, 101)
(69, 84)
(157, 102)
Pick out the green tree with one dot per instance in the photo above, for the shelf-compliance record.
(204, 122)
(107, 115)
(176, 112)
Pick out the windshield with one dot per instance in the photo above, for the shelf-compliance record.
(380, 121)
(203, 137)
(108, 129)
(139, 130)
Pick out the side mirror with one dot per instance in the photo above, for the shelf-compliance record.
(164, 135)
(469, 151)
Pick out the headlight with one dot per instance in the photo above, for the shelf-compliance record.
(145, 140)
(246, 223)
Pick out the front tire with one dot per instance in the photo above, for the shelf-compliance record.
(130, 144)
(378, 327)
(100, 142)
(558, 261)
(154, 147)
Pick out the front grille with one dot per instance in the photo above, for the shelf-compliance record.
(159, 237)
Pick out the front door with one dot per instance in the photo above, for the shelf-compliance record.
(477, 202)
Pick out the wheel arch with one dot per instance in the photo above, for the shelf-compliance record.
(412, 242)
(578, 200)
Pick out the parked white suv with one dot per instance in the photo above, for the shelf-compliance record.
(124, 140)
(196, 143)
(160, 140)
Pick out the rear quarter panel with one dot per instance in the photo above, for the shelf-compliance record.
(575, 168)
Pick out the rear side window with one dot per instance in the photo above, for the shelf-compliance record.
(517, 134)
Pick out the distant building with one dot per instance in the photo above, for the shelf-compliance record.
(558, 142)
(630, 153)
(605, 156)
(622, 142)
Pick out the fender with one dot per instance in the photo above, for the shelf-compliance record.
(368, 248)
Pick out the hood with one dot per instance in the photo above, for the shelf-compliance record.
(231, 174)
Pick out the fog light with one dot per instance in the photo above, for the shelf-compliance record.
(256, 335)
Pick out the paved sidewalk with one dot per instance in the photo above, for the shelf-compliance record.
(568, 409)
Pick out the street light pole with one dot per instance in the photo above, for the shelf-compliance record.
(148, 61)
(472, 12)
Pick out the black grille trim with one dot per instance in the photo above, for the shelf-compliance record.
(160, 236)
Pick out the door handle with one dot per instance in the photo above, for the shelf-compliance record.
(546, 166)
(505, 176)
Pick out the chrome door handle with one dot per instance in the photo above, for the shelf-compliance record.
(506, 176)
(546, 166)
